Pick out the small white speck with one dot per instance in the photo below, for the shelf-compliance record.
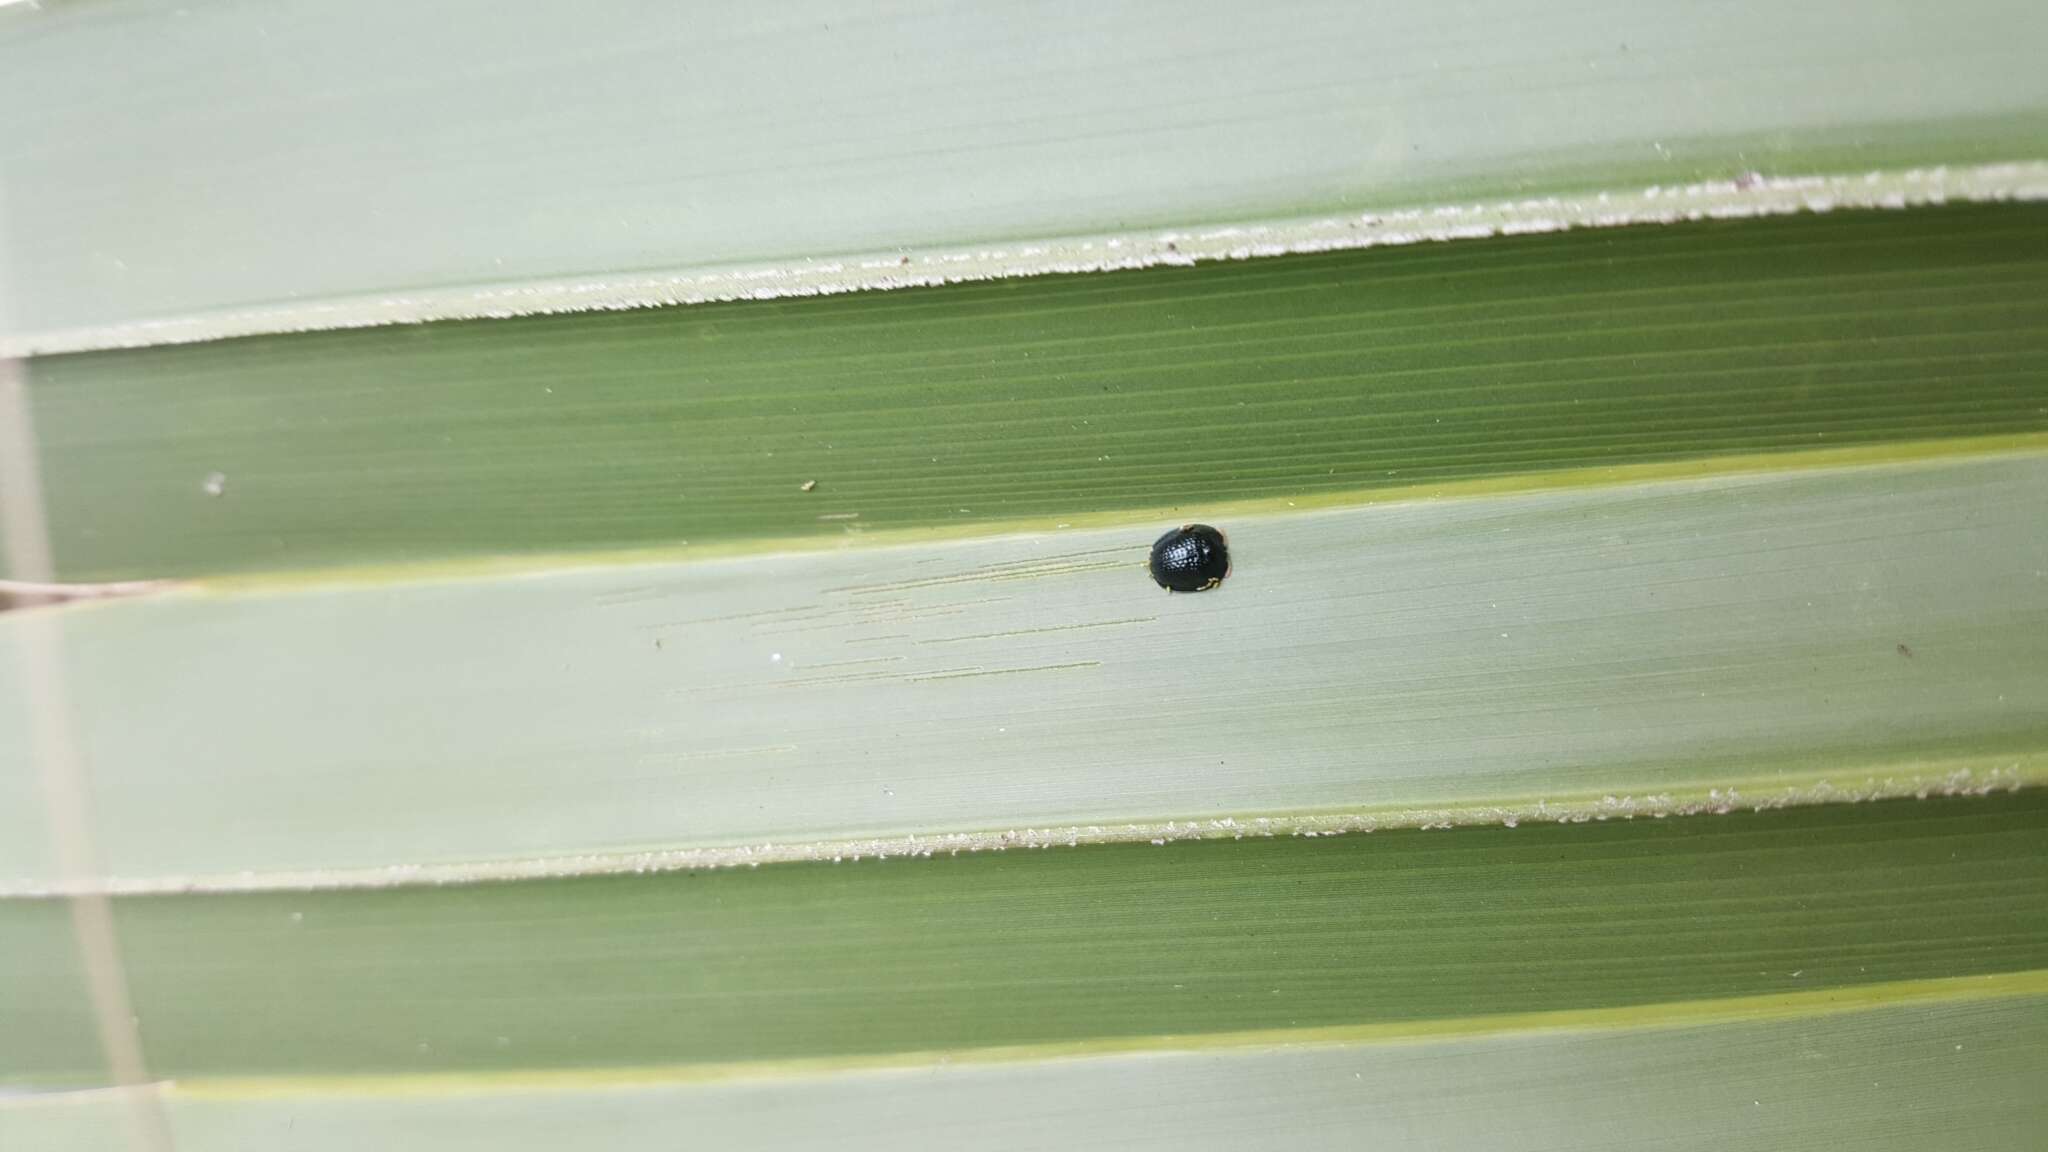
(215, 483)
(775, 657)
(298, 917)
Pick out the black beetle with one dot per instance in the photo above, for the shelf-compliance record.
(1191, 558)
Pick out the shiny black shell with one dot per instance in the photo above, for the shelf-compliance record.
(1190, 558)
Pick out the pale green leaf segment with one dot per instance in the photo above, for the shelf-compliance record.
(294, 160)
(1652, 648)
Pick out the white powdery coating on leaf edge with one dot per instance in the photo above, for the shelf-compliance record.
(1714, 801)
(1749, 195)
